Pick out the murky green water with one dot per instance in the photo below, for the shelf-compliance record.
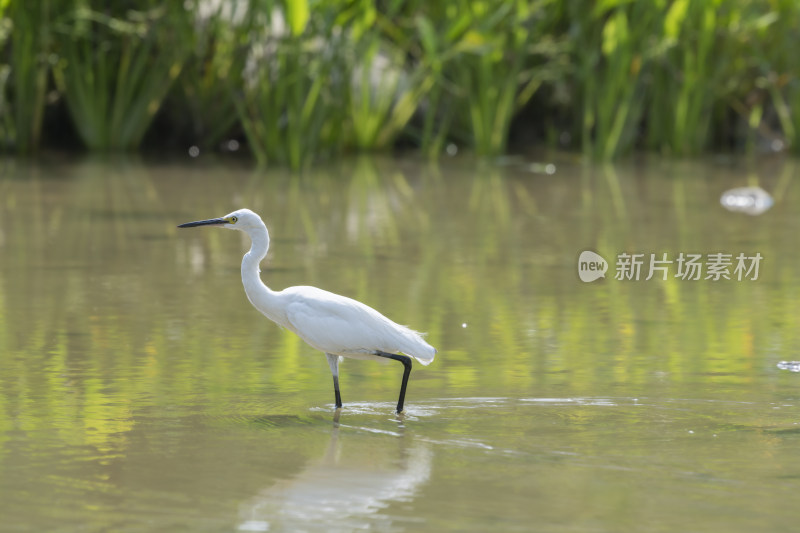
(139, 391)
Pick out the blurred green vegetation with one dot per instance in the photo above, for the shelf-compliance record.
(299, 81)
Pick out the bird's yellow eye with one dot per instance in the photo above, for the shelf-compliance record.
(233, 220)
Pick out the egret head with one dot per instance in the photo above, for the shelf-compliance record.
(241, 219)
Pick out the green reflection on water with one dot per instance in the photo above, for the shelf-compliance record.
(136, 380)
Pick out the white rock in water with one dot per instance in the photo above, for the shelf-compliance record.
(749, 200)
(791, 366)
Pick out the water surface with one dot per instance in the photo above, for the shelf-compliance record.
(139, 391)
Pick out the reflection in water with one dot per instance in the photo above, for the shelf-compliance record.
(346, 490)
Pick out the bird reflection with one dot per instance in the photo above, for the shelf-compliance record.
(356, 479)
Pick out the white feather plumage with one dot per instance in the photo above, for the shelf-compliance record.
(334, 324)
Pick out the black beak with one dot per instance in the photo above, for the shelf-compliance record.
(210, 222)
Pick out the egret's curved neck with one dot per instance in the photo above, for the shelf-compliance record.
(261, 296)
(259, 245)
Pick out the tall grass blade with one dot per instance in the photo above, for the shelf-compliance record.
(115, 72)
(30, 51)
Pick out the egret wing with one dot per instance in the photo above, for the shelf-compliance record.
(334, 324)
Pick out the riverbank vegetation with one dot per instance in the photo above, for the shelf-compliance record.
(300, 81)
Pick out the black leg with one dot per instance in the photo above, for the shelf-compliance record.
(333, 361)
(336, 391)
(406, 360)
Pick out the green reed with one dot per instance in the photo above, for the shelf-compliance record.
(438, 114)
(291, 98)
(777, 66)
(500, 54)
(610, 56)
(30, 57)
(7, 129)
(200, 105)
(686, 77)
(115, 71)
(383, 95)
(311, 79)
(336, 79)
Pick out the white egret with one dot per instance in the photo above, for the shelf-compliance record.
(334, 324)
